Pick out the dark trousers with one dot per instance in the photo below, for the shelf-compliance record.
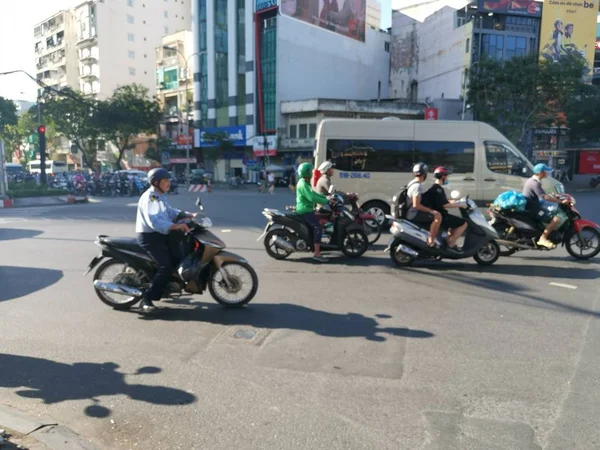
(158, 246)
(313, 220)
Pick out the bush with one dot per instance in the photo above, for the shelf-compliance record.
(23, 190)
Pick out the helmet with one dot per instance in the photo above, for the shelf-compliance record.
(420, 169)
(305, 170)
(440, 172)
(155, 175)
(325, 166)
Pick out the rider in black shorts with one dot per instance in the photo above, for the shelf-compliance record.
(435, 198)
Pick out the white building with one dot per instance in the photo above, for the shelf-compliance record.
(112, 42)
(257, 61)
(374, 14)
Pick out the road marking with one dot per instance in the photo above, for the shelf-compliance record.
(562, 285)
(225, 231)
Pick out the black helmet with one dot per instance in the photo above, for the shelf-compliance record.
(420, 169)
(155, 175)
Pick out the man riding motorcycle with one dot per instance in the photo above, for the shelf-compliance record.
(418, 213)
(435, 198)
(153, 224)
(306, 200)
(534, 193)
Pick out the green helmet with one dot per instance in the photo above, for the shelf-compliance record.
(305, 170)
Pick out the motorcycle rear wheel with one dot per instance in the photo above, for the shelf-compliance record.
(103, 296)
(355, 244)
(488, 254)
(399, 258)
(216, 283)
(272, 250)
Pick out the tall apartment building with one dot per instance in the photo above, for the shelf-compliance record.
(374, 13)
(112, 42)
(254, 55)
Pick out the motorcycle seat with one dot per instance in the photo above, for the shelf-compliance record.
(121, 242)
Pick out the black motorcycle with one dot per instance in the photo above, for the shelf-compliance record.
(287, 232)
(230, 279)
(409, 241)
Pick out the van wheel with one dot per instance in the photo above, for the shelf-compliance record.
(379, 210)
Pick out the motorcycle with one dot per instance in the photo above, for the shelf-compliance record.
(594, 181)
(520, 231)
(367, 220)
(409, 242)
(206, 265)
(286, 232)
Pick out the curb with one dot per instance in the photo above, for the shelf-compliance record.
(43, 429)
(46, 201)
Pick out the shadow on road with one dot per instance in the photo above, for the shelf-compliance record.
(21, 281)
(291, 317)
(55, 382)
(11, 234)
(573, 273)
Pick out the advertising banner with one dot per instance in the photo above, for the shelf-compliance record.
(236, 135)
(258, 145)
(529, 8)
(569, 28)
(589, 162)
(345, 17)
(265, 4)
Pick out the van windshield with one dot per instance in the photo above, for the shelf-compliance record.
(502, 159)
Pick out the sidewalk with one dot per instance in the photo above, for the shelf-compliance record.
(38, 433)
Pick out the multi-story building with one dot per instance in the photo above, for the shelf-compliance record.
(106, 43)
(374, 14)
(253, 57)
(56, 51)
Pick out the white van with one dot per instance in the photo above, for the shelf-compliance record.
(52, 167)
(374, 158)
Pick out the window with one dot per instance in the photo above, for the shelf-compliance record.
(129, 2)
(130, 19)
(131, 54)
(515, 46)
(467, 45)
(166, 31)
(457, 157)
(132, 71)
(493, 45)
(504, 160)
(130, 37)
(302, 132)
(166, 14)
(386, 46)
(293, 129)
(312, 130)
(371, 155)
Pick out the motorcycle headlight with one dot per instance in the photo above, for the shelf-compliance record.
(559, 188)
(204, 222)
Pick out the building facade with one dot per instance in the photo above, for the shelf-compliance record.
(254, 56)
(100, 45)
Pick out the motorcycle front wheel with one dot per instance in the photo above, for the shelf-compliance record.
(576, 248)
(373, 230)
(238, 289)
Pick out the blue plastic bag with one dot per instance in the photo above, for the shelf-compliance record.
(512, 200)
(552, 209)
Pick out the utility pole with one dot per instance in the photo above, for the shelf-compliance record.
(42, 146)
(3, 177)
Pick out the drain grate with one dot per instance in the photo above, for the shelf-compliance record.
(245, 334)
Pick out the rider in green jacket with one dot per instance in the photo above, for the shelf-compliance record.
(306, 200)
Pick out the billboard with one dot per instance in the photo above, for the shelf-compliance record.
(345, 17)
(529, 8)
(569, 28)
(236, 135)
(589, 162)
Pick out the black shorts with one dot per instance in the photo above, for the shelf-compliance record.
(450, 221)
(422, 218)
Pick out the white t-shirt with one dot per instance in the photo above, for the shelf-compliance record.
(415, 189)
(271, 178)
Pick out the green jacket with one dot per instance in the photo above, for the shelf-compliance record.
(306, 198)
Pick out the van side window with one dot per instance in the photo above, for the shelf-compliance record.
(370, 155)
(457, 157)
(503, 160)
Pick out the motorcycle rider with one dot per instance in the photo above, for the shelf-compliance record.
(324, 182)
(153, 223)
(306, 200)
(418, 213)
(436, 199)
(534, 192)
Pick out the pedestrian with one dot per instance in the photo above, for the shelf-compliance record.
(293, 181)
(262, 177)
(271, 179)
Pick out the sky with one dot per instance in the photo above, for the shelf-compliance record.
(17, 20)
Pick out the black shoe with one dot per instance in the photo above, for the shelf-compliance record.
(148, 306)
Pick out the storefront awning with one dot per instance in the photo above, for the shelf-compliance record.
(422, 9)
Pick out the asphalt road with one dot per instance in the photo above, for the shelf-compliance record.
(351, 355)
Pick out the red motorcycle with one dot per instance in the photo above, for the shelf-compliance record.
(519, 231)
(367, 220)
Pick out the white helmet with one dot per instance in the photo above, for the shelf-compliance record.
(325, 166)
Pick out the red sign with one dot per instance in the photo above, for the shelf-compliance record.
(182, 139)
(431, 114)
(517, 7)
(262, 152)
(589, 162)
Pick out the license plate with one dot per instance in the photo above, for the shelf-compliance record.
(265, 231)
(94, 263)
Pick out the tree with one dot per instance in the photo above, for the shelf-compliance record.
(519, 94)
(156, 147)
(220, 141)
(129, 112)
(8, 114)
(75, 118)
(583, 114)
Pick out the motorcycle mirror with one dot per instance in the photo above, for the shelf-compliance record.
(331, 189)
(455, 194)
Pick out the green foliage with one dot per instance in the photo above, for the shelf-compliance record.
(8, 114)
(583, 114)
(220, 143)
(521, 93)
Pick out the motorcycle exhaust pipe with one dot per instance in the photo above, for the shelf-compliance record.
(115, 288)
(513, 244)
(408, 251)
(283, 244)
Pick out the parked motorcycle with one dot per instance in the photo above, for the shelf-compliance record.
(230, 279)
(287, 232)
(594, 181)
(409, 241)
(519, 231)
(367, 220)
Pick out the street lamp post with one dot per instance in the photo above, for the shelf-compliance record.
(187, 108)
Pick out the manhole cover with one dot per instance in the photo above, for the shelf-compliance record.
(244, 334)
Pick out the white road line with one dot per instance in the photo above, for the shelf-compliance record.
(562, 285)
(225, 231)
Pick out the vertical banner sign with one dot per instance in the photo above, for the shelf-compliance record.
(431, 114)
(569, 28)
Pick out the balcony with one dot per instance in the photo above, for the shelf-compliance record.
(90, 76)
(87, 38)
(88, 58)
